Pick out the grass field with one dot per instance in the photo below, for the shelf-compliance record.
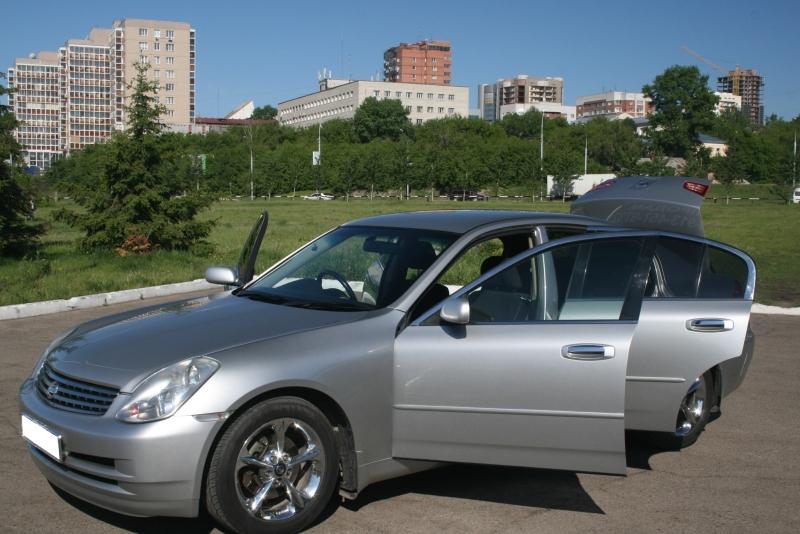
(766, 230)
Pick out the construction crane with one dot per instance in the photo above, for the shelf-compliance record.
(703, 59)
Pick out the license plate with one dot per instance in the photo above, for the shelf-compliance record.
(42, 438)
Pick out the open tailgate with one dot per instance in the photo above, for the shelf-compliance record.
(668, 203)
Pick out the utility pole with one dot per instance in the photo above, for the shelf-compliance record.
(794, 165)
(586, 157)
(541, 157)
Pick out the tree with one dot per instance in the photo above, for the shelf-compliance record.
(386, 119)
(137, 205)
(684, 108)
(264, 112)
(18, 235)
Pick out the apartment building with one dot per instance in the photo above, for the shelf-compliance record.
(339, 99)
(76, 96)
(613, 105)
(36, 101)
(727, 102)
(747, 84)
(428, 62)
(522, 93)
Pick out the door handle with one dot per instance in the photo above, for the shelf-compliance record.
(587, 351)
(709, 325)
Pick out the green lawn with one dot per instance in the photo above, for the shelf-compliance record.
(766, 230)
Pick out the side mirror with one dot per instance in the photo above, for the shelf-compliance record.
(455, 311)
(221, 275)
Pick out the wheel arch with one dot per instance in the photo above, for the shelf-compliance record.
(342, 431)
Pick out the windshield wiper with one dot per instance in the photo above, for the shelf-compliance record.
(263, 297)
(307, 304)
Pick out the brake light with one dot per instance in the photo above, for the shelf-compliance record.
(695, 187)
(603, 185)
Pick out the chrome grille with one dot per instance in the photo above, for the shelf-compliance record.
(73, 395)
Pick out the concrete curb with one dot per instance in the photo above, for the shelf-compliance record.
(31, 309)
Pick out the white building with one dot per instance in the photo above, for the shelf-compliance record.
(551, 110)
(727, 102)
(339, 99)
(613, 105)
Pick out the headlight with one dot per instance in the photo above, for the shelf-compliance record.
(161, 394)
(56, 342)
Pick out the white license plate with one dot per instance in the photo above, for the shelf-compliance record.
(42, 438)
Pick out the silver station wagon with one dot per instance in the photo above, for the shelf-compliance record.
(395, 343)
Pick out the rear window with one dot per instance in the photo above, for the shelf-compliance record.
(687, 269)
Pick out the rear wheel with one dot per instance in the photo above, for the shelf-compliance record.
(694, 413)
(275, 468)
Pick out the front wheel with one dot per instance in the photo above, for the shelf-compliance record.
(274, 469)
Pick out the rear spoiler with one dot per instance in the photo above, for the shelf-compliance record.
(668, 203)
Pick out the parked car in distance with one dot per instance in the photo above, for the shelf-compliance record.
(466, 194)
(394, 343)
(318, 196)
(796, 196)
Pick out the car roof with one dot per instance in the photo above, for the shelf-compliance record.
(462, 221)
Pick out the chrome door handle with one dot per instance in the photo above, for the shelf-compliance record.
(709, 325)
(587, 351)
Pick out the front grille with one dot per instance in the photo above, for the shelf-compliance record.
(73, 395)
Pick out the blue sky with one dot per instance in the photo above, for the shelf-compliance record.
(271, 51)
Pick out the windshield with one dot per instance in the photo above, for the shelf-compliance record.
(352, 268)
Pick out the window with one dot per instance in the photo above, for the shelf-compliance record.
(170, 100)
(419, 109)
(451, 110)
(430, 96)
(588, 281)
(419, 121)
(441, 96)
(687, 269)
(398, 94)
(451, 97)
(387, 93)
(430, 109)
(170, 60)
(157, 60)
(441, 110)
(170, 74)
(170, 87)
(142, 32)
(142, 45)
(156, 46)
(419, 95)
(157, 34)
(157, 73)
(376, 93)
(408, 94)
(170, 34)
(170, 47)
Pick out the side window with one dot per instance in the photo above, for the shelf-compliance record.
(469, 265)
(687, 269)
(724, 275)
(586, 281)
(675, 269)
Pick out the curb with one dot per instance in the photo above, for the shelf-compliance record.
(31, 309)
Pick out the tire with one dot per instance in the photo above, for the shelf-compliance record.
(693, 415)
(255, 483)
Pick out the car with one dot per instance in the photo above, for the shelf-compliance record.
(466, 194)
(396, 343)
(796, 196)
(318, 196)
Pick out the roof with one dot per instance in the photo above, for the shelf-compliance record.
(462, 221)
(705, 138)
(231, 122)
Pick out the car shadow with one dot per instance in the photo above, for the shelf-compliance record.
(535, 488)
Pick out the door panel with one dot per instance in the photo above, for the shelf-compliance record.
(666, 356)
(505, 394)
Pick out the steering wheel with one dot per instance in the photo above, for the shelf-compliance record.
(339, 278)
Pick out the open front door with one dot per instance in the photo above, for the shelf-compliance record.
(524, 383)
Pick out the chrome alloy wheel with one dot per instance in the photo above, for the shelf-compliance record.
(279, 469)
(692, 406)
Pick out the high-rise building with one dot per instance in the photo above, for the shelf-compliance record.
(75, 97)
(521, 93)
(429, 62)
(613, 105)
(339, 99)
(746, 83)
(36, 101)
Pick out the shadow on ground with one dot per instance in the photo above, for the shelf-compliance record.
(535, 488)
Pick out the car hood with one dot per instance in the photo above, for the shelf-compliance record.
(123, 349)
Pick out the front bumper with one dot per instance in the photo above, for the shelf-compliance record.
(144, 469)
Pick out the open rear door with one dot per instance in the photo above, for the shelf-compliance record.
(667, 203)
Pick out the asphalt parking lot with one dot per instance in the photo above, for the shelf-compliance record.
(743, 475)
